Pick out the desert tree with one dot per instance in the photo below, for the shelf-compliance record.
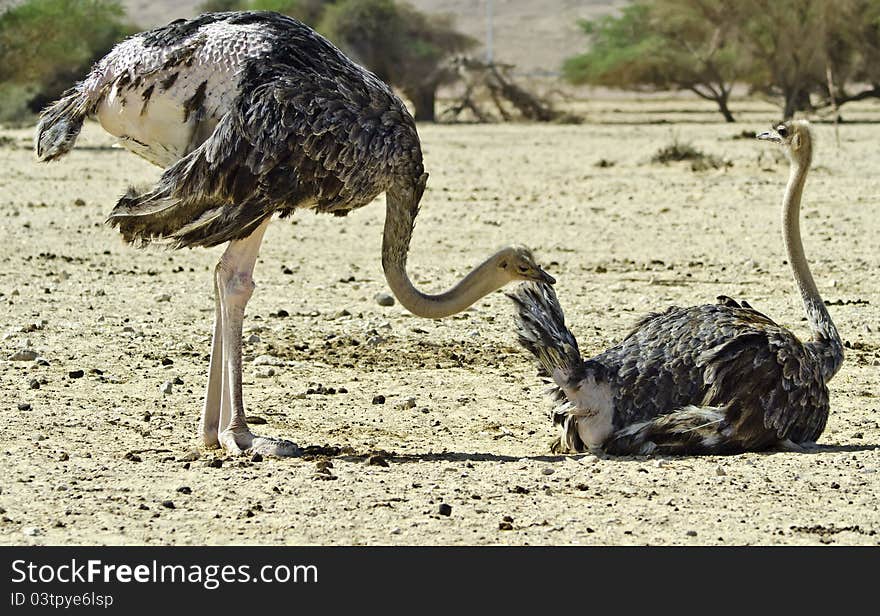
(48, 59)
(789, 47)
(402, 45)
(664, 45)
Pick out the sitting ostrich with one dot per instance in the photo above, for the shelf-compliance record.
(252, 114)
(709, 379)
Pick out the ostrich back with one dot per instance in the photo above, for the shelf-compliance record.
(768, 382)
(251, 113)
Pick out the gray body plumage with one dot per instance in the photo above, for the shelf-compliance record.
(250, 114)
(717, 378)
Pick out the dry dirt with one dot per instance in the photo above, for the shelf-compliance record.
(108, 458)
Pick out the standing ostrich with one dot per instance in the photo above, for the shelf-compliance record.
(709, 379)
(252, 114)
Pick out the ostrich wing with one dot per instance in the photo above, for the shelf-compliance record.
(284, 145)
(770, 375)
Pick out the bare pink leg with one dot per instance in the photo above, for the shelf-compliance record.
(223, 419)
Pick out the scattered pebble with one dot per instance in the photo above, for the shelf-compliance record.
(168, 504)
(24, 406)
(384, 299)
(253, 339)
(164, 297)
(256, 420)
(167, 361)
(548, 471)
(395, 531)
(76, 374)
(64, 457)
(720, 471)
(185, 490)
(265, 373)
(132, 457)
(214, 463)
(32, 531)
(24, 355)
(506, 523)
(166, 387)
(190, 456)
(380, 399)
(409, 403)
(444, 509)
(691, 533)
(34, 384)
(257, 457)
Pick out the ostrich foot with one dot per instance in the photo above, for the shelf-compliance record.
(789, 445)
(244, 441)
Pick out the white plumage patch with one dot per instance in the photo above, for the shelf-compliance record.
(145, 104)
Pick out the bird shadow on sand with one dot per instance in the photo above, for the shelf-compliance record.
(348, 454)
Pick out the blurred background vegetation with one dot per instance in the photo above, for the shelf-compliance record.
(803, 55)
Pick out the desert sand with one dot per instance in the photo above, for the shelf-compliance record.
(98, 433)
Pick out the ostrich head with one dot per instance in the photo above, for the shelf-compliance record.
(518, 263)
(795, 137)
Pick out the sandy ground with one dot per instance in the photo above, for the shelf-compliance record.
(109, 458)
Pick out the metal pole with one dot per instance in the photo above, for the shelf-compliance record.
(489, 54)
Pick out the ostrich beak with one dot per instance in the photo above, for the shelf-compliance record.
(769, 135)
(542, 276)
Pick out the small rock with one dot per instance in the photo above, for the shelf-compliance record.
(444, 509)
(380, 399)
(253, 339)
(384, 299)
(76, 374)
(409, 403)
(266, 360)
(24, 406)
(166, 387)
(265, 373)
(64, 457)
(376, 460)
(835, 485)
(132, 457)
(256, 420)
(185, 490)
(719, 471)
(691, 533)
(190, 456)
(215, 463)
(167, 361)
(168, 504)
(177, 381)
(395, 531)
(24, 355)
(34, 384)
(257, 457)
(548, 471)
(281, 314)
(32, 531)
(164, 297)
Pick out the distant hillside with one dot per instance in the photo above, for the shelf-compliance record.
(536, 35)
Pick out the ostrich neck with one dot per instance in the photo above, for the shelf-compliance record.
(826, 341)
(401, 211)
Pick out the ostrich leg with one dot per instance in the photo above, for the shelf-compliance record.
(210, 419)
(223, 418)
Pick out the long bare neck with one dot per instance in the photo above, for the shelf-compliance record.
(401, 210)
(826, 341)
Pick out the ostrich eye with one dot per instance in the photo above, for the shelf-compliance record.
(783, 132)
(503, 265)
(523, 269)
